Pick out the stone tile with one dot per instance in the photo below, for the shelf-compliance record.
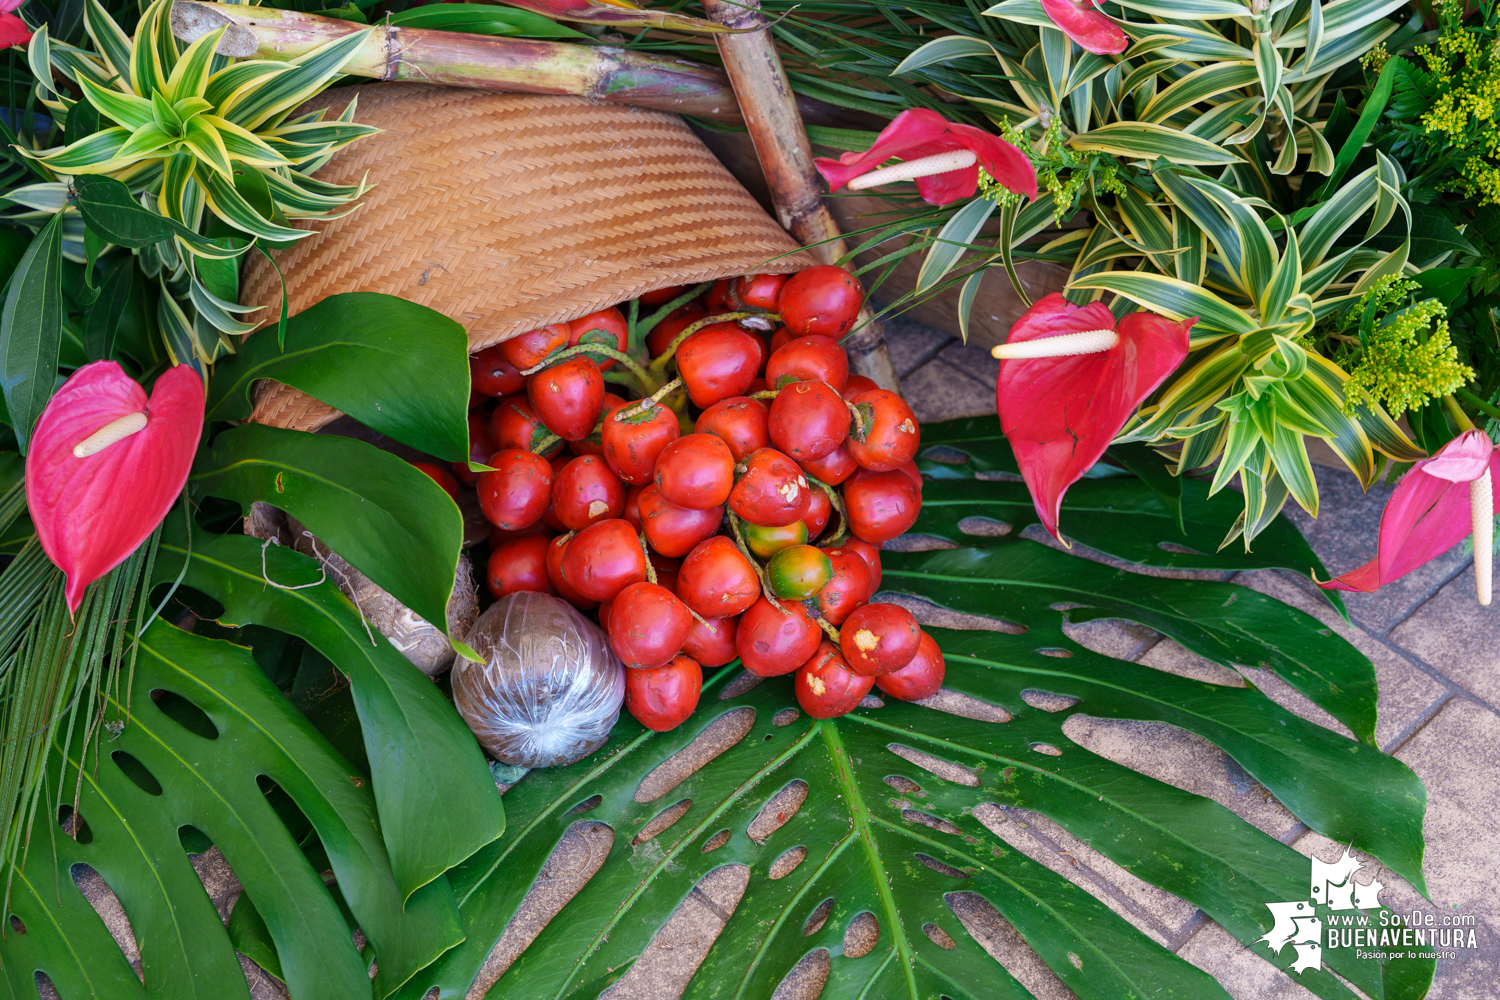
(1187, 761)
(1172, 658)
(911, 343)
(1458, 637)
(1345, 536)
(935, 615)
(1167, 919)
(1407, 694)
(1113, 637)
(1004, 944)
(1457, 756)
(974, 360)
(938, 391)
(1243, 973)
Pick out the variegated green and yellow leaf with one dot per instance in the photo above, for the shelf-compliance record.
(92, 154)
(306, 75)
(127, 109)
(204, 141)
(190, 76)
(144, 141)
(154, 52)
(1146, 141)
(229, 205)
(1199, 85)
(228, 83)
(1174, 299)
(112, 43)
(244, 146)
(1285, 282)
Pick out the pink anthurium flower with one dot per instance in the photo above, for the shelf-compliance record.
(1439, 501)
(13, 30)
(1081, 22)
(943, 157)
(1069, 379)
(105, 466)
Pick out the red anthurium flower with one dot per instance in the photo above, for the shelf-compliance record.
(105, 466)
(943, 157)
(1438, 502)
(1081, 22)
(13, 30)
(1069, 379)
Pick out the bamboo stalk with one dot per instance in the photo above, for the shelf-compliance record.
(455, 59)
(771, 115)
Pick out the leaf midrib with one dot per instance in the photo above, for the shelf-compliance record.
(861, 815)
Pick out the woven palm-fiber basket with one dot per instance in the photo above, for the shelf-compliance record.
(508, 212)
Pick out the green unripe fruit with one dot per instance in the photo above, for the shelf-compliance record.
(799, 572)
(765, 541)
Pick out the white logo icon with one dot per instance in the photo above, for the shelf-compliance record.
(1297, 921)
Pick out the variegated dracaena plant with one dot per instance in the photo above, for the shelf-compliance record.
(1253, 388)
(186, 129)
(1209, 127)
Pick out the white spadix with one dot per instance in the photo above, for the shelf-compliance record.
(938, 163)
(1482, 509)
(1060, 346)
(116, 430)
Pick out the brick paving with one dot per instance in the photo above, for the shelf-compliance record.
(1436, 654)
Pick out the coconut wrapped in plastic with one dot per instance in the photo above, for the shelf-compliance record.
(549, 689)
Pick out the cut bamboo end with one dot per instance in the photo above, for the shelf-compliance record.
(1061, 346)
(938, 163)
(1482, 509)
(116, 430)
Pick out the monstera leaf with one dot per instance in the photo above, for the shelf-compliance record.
(1152, 518)
(434, 792)
(859, 851)
(205, 729)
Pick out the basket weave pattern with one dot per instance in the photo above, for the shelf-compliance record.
(507, 212)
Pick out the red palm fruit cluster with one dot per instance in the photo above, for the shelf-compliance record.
(740, 517)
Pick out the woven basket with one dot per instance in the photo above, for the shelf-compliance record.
(507, 212)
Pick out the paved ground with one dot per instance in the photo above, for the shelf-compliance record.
(1437, 656)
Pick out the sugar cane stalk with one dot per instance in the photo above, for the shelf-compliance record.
(775, 125)
(461, 60)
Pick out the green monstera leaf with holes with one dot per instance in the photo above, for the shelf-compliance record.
(210, 748)
(206, 729)
(867, 856)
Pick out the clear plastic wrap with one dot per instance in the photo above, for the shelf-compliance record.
(550, 688)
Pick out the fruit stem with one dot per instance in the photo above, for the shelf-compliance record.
(641, 331)
(766, 394)
(645, 377)
(838, 506)
(540, 448)
(828, 628)
(642, 405)
(859, 421)
(646, 551)
(660, 364)
(760, 573)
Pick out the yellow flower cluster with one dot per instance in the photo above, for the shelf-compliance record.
(1467, 75)
(1051, 158)
(1408, 358)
